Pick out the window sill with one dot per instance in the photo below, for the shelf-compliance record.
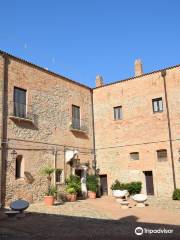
(19, 179)
(60, 183)
(77, 130)
(20, 119)
(158, 112)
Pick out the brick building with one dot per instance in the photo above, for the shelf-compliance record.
(129, 130)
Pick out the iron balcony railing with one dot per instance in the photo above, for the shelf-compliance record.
(79, 125)
(22, 112)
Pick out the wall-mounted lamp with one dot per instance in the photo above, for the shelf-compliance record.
(13, 154)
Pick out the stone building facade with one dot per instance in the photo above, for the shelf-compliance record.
(119, 133)
(44, 135)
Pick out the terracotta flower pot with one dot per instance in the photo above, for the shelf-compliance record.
(71, 197)
(91, 195)
(49, 200)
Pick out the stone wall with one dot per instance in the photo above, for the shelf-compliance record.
(50, 99)
(1, 84)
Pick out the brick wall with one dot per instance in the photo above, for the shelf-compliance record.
(140, 130)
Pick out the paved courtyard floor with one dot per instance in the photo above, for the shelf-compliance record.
(94, 219)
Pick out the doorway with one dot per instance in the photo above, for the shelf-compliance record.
(149, 182)
(78, 172)
(104, 186)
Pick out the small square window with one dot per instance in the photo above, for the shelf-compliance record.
(157, 105)
(134, 156)
(162, 155)
(118, 113)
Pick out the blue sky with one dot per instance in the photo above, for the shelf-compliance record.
(82, 38)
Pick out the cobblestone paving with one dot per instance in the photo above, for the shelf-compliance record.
(78, 209)
(164, 203)
(89, 219)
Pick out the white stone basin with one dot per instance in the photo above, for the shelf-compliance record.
(139, 198)
(120, 193)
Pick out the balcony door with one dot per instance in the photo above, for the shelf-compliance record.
(19, 102)
(75, 117)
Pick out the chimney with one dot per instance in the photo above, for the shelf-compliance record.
(138, 67)
(99, 81)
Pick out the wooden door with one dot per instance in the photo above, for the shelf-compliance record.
(104, 186)
(149, 182)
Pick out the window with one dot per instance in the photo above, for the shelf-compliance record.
(19, 166)
(134, 156)
(19, 102)
(59, 175)
(118, 113)
(75, 117)
(162, 155)
(157, 105)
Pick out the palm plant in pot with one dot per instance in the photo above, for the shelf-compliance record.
(51, 190)
(92, 186)
(71, 194)
(73, 186)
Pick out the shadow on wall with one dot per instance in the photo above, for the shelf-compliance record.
(29, 178)
(33, 125)
(81, 135)
(35, 226)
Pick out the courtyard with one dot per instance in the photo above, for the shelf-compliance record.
(93, 219)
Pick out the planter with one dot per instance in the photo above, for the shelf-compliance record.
(49, 200)
(140, 199)
(91, 195)
(119, 193)
(71, 197)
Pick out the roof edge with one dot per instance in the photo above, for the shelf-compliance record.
(44, 70)
(131, 78)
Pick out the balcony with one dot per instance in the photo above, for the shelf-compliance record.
(22, 113)
(78, 125)
(78, 164)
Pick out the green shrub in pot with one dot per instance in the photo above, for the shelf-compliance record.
(176, 194)
(92, 185)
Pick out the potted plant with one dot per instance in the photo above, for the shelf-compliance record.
(119, 190)
(73, 187)
(51, 190)
(71, 194)
(92, 186)
(50, 195)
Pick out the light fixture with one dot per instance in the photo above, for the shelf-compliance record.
(13, 153)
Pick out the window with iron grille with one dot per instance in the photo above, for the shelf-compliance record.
(75, 117)
(134, 156)
(162, 155)
(19, 102)
(118, 113)
(157, 105)
(59, 175)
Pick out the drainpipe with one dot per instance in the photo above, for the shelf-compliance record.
(163, 74)
(94, 143)
(55, 163)
(64, 165)
(4, 129)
